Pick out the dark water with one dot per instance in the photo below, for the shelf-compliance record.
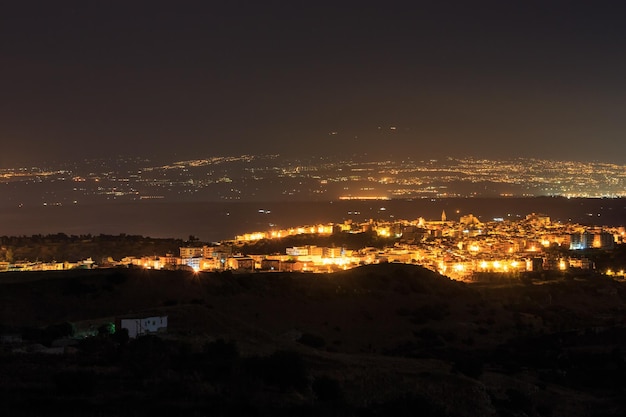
(219, 221)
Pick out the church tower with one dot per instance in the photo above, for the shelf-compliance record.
(443, 216)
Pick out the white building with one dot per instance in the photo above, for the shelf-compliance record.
(142, 326)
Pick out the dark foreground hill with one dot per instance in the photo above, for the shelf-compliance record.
(389, 339)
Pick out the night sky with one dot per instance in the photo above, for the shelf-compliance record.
(181, 79)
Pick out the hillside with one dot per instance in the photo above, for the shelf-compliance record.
(388, 338)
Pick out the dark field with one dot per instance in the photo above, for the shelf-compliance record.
(378, 340)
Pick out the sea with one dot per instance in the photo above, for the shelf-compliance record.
(219, 221)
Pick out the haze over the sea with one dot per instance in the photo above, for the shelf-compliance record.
(223, 221)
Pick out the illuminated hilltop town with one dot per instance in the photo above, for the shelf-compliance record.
(458, 249)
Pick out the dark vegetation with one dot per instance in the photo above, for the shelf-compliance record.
(352, 241)
(108, 375)
(61, 247)
(603, 260)
(389, 339)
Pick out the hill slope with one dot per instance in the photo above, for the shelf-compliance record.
(390, 337)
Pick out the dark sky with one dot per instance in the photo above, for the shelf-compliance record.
(197, 78)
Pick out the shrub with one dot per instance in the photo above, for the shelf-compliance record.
(53, 332)
(106, 329)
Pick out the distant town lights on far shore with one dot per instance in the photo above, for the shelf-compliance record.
(363, 197)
